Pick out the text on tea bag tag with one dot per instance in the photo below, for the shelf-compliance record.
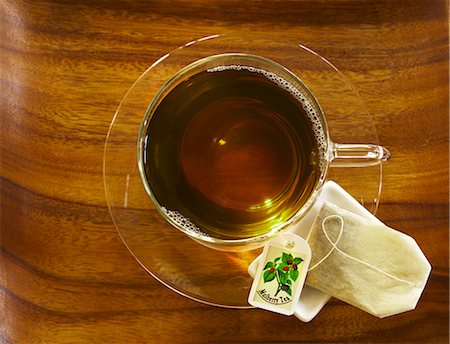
(281, 274)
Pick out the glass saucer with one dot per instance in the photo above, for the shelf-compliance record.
(190, 269)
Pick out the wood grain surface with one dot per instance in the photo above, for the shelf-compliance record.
(66, 276)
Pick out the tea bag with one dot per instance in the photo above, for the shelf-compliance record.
(373, 267)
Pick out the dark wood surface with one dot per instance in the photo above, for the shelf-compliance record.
(65, 274)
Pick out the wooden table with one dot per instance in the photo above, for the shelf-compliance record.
(65, 274)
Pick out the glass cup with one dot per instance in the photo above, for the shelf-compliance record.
(329, 152)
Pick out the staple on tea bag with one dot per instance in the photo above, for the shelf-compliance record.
(372, 267)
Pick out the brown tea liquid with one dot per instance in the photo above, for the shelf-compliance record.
(231, 151)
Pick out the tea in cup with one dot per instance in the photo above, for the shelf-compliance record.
(234, 149)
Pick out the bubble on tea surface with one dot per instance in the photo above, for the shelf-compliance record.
(314, 119)
(183, 222)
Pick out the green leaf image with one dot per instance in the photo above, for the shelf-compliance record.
(282, 266)
(277, 259)
(294, 274)
(286, 256)
(289, 291)
(268, 276)
(268, 265)
(289, 282)
(282, 277)
(297, 260)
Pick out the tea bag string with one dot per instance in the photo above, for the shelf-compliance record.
(334, 247)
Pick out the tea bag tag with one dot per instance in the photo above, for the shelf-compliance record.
(281, 274)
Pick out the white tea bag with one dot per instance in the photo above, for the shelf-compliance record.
(373, 267)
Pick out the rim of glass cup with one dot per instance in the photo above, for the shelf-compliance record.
(168, 86)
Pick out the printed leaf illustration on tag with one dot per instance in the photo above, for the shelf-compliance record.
(281, 274)
(285, 270)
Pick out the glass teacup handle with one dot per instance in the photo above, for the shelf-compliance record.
(357, 155)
